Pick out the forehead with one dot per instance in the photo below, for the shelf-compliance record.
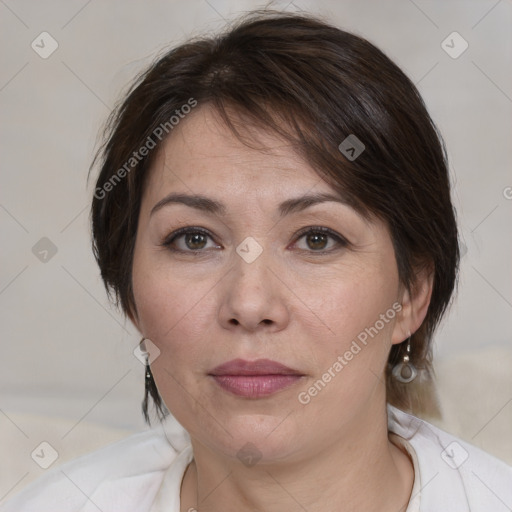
(202, 152)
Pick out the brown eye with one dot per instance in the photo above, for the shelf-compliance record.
(317, 240)
(187, 240)
(195, 240)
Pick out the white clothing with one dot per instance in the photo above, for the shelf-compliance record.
(143, 473)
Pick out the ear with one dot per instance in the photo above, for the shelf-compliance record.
(414, 305)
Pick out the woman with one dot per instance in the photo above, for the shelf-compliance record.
(273, 214)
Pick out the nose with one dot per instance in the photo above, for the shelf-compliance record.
(253, 296)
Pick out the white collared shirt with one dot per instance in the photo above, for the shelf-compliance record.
(143, 473)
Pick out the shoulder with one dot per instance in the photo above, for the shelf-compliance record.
(454, 474)
(129, 470)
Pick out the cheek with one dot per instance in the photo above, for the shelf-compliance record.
(165, 307)
(351, 301)
(172, 308)
(356, 317)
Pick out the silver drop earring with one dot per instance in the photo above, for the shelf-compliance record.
(405, 371)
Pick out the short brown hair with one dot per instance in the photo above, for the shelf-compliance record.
(314, 85)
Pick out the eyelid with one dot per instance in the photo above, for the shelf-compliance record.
(340, 239)
(183, 231)
(322, 229)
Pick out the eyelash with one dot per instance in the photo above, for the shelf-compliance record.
(342, 242)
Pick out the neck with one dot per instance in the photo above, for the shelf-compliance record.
(360, 470)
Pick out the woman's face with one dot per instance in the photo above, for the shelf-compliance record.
(249, 282)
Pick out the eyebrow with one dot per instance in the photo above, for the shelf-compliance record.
(214, 207)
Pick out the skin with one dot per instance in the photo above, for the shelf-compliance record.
(292, 305)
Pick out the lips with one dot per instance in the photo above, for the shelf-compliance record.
(258, 367)
(254, 379)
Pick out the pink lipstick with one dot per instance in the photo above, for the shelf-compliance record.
(254, 379)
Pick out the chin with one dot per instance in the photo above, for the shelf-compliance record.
(256, 437)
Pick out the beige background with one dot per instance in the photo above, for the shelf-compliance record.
(68, 375)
